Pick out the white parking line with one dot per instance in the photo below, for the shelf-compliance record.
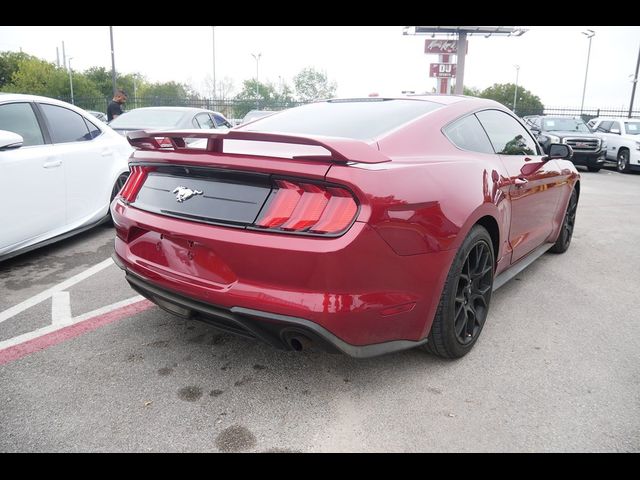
(70, 321)
(30, 302)
(60, 307)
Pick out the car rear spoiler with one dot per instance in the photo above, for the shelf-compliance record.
(341, 149)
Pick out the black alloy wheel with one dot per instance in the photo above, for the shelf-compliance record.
(464, 303)
(564, 239)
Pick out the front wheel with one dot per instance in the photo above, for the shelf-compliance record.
(464, 303)
(564, 239)
(623, 161)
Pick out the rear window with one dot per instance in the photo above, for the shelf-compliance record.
(148, 118)
(359, 119)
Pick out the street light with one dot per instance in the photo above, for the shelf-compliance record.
(515, 94)
(589, 34)
(257, 58)
(71, 80)
(213, 29)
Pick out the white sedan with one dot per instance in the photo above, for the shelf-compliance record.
(59, 170)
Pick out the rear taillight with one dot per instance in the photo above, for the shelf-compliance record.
(308, 207)
(134, 183)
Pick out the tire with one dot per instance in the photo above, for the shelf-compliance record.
(594, 169)
(623, 161)
(566, 232)
(122, 179)
(465, 299)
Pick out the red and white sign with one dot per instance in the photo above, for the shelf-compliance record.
(442, 70)
(440, 46)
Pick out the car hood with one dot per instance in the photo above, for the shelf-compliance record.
(569, 133)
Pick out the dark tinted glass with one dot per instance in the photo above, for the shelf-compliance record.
(359, 119)
(93, 130)
(604, 126)
(468, 134)
(65, 125)
(221, 122)
(506, 134)
(19, 118)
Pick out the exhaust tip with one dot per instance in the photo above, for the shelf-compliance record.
(297, 341)
(296, 344)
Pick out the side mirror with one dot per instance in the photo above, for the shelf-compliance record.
(615, 130)
(10, 140)
(559, 151)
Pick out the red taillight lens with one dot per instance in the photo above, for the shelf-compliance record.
(134, 183)
(300, 207)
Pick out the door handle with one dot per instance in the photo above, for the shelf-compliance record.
(520, 182)
(52, 164)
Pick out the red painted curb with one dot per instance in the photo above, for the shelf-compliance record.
(47, 340)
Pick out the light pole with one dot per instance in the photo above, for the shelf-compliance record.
(515, 94)
(113, 62)
(257, 58)
(635, 83)
(71, 80)
(135, 91)
(589, 34)
(213, 29)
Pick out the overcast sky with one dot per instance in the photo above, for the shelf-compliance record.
(361, 60)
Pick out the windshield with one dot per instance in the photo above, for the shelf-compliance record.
(632, 128)
(148, 118)
(564, 124)
(361, 119)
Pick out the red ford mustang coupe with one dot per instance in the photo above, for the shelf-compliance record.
(362, 226)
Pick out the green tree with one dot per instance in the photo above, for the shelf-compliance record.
(526, 104)
(160, 93)
(9, 65)
(311, 85)
(471, 91)
(268, 97)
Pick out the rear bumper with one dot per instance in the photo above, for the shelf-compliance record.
(280, 331)
(355, 289)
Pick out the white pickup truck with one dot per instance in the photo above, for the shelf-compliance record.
(623, 140)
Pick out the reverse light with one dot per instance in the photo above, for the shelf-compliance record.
(308, 207)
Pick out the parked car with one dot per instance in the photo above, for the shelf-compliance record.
(622, 136)
(255, 115)
(362, 226)
(158, 118)
(59, 170)
(588, 149)
(99, 115)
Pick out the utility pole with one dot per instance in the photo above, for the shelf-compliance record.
(515, 94)
(64, 56)
(57, 57)
(589, 34)
(257, 57)
(71, 80)
(635, 83)
(113, 62)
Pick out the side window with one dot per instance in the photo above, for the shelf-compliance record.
(65, 125)
(468, 134)
(604, 126)
(221, 122)
(507, 135)
(616, 126)
(20, 118)
(203, 120)
(93, 130)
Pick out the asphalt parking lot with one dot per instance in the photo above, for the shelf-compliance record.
(557, 367)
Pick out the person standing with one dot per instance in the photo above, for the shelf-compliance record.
(114, 109)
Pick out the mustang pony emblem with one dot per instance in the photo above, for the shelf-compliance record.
(184, 193)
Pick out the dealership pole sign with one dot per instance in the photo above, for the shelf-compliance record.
(442, 70)
(442, 46)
